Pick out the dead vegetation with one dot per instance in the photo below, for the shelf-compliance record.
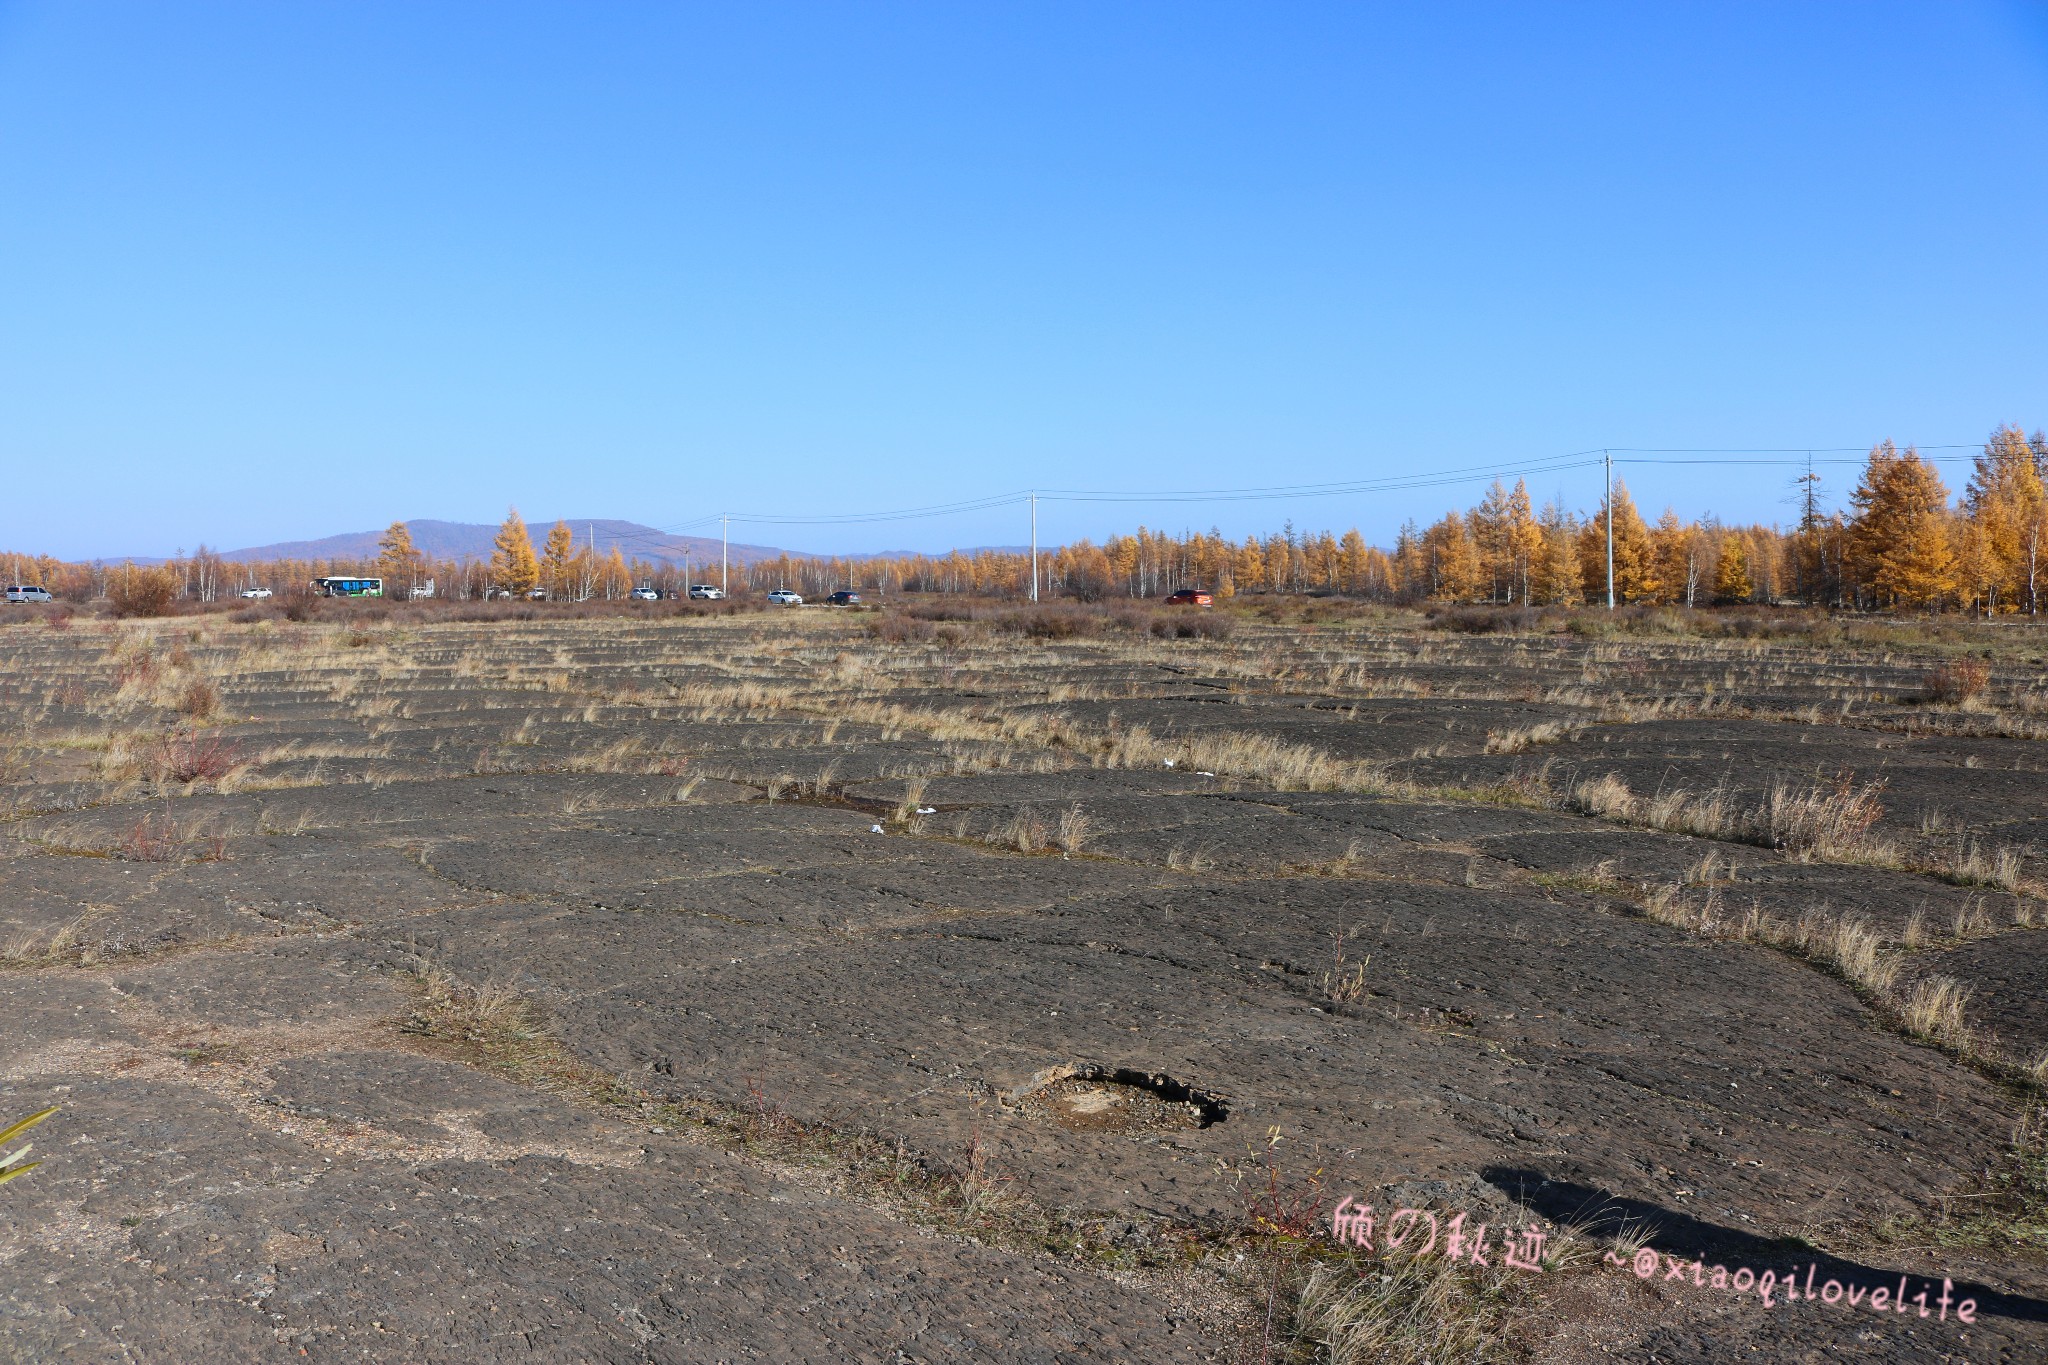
(1957, 682)
(1830, 821)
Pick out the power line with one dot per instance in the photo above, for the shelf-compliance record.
(1626, 455)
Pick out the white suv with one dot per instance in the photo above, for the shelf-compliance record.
(783, 597)
(646, 594)
(704, 592)
(256, 594)
(22, 592)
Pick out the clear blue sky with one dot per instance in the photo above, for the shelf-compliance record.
(270, 271)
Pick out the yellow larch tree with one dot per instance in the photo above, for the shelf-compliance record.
(514, 569)
(2005, 505)
(1555, 579)
(398, 559)
(614, 580)
(1634, 576)
(1731, 572)
(1248, 566)
(1902, 539)
(1453, 559)
(555, 557)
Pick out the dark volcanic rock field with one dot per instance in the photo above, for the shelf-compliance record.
(752, 988)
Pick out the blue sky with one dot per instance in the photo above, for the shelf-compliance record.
(280, 270)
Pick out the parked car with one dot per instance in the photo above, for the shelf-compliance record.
(22, 592)
(537, 595)
(1191, 597)
(646, 594)
(783, 597)
(845, 597)
(704, 592)
(255, 594)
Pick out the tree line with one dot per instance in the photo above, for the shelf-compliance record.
(1901, 541)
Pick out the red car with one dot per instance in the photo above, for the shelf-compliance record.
(1191, 597)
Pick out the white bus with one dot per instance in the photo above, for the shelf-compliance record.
(339, 586)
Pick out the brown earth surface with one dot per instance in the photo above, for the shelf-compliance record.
(754, 988)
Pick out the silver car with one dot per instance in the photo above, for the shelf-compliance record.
(22, 592)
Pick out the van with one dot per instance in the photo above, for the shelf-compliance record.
(22, 592)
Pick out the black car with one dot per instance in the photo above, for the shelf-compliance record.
(844, 598)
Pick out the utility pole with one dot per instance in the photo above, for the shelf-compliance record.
(724, 532)
(1034, 546)
(1608, 456)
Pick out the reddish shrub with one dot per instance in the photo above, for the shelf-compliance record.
(150, 840)
(191, 758)
(1957, 682)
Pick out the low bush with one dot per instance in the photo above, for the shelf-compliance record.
(1193, 624)
(142, 592)
(1051, 622)
(200, 700)
(899, 629)
(1484, 620)
(1956, 682)
(189, 758)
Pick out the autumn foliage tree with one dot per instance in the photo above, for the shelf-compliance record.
(1634, 573)
(1904, 551)
(1900, 543)
(1506, 540)
(555, 560)
(1731, 573)
(398, 560)
(513, 567)
(2007, 514)
(614, 580)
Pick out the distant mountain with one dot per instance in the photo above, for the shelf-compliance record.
(468, 540)
(472, 540)
(941, 554)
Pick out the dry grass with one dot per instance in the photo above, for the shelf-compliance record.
(200, 699)
(911, 805)
(1517, 740)
(1968, 863)
(1074, 829)
(69, 943)
(1345, 985)
(1424, 1311)
(1933, 1009)
(1829, 822)
(1026, 831)
(490, 1020)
